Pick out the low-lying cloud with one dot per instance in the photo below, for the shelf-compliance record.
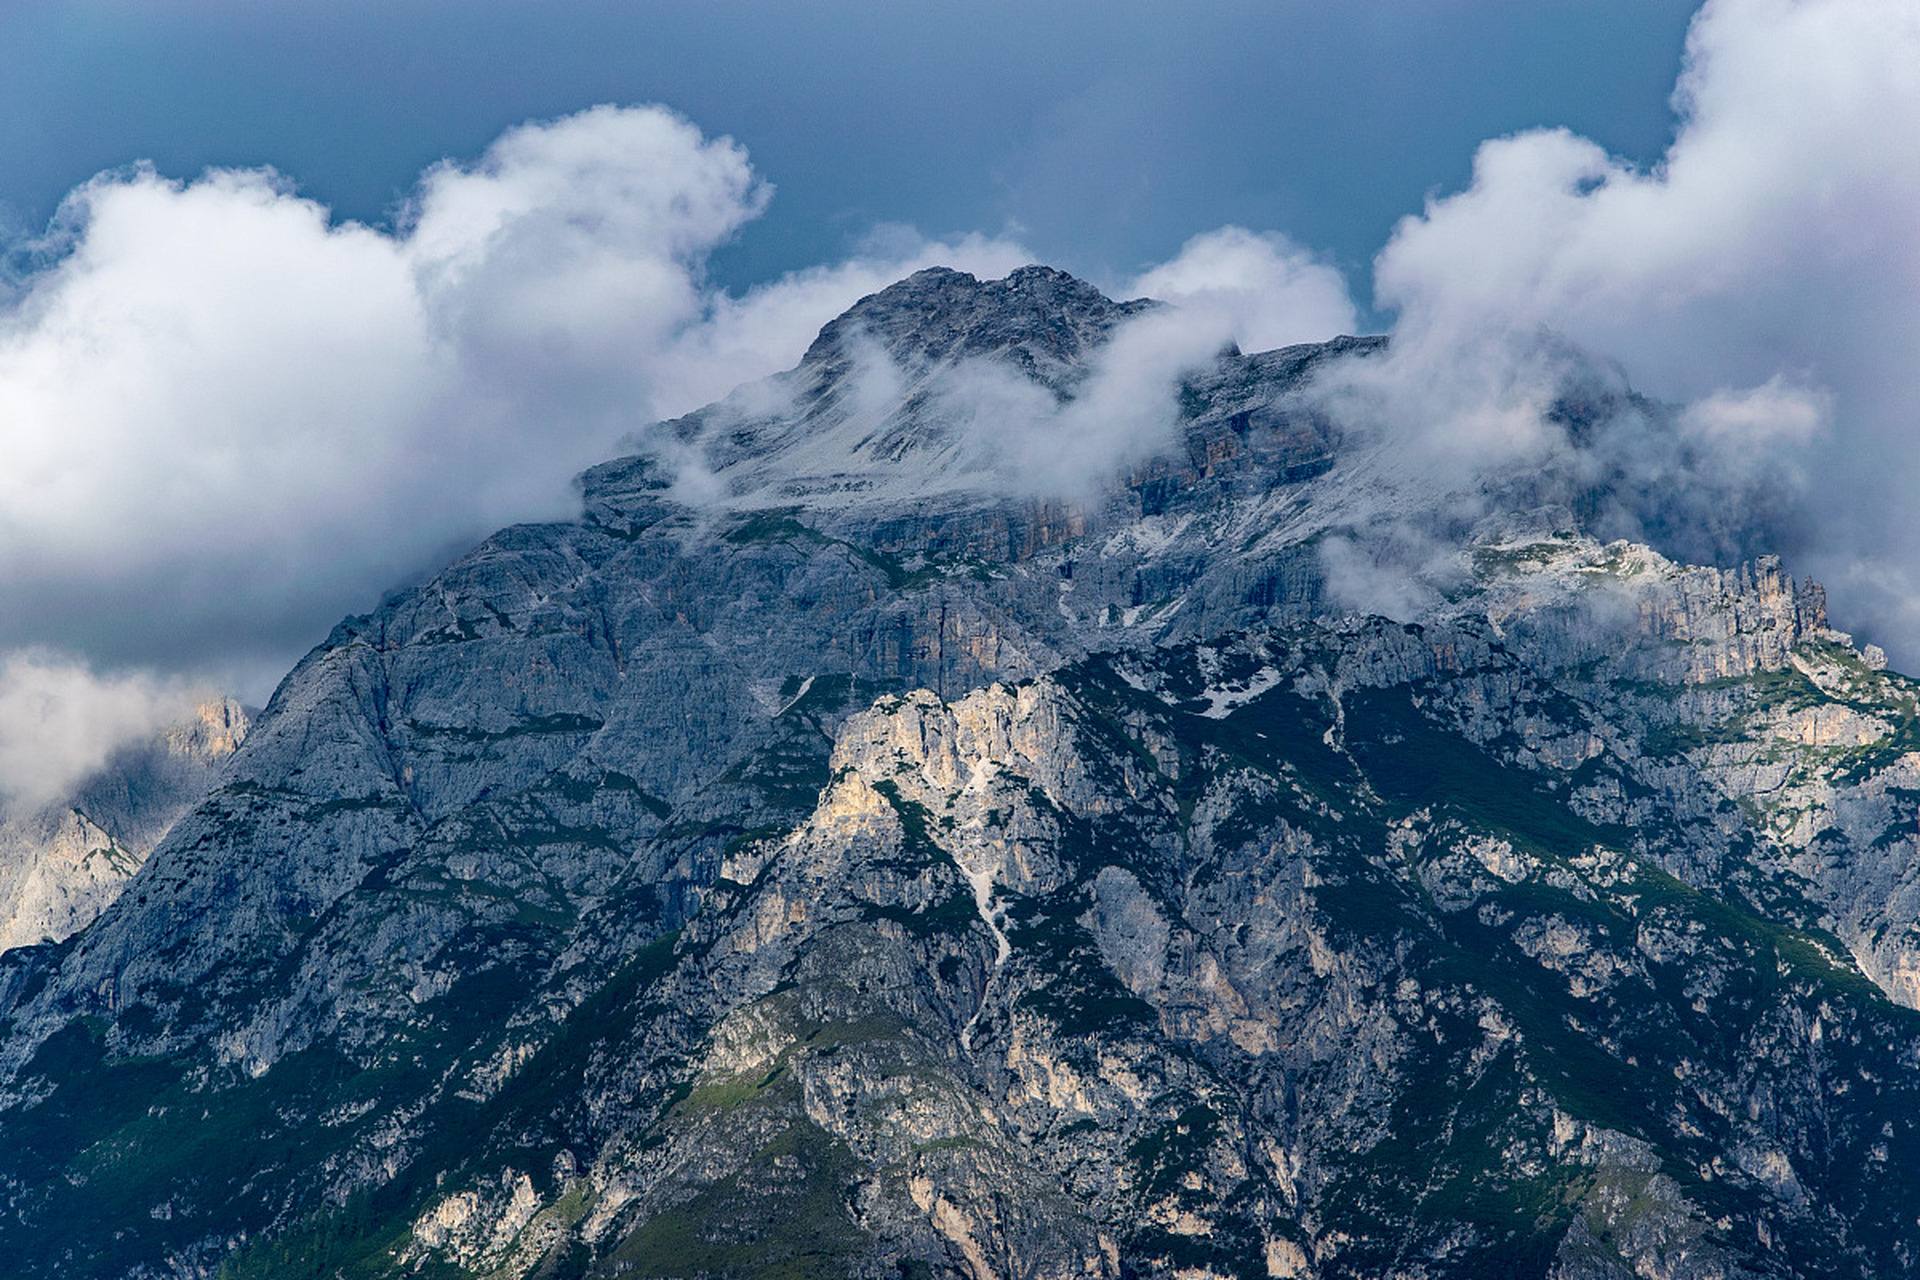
(1766, 274)
(60, 722)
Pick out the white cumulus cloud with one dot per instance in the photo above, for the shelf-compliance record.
(1270, 292)
(228, 419)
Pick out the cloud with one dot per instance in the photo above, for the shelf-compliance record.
(1767, 270)
(1392, 581)
(1003, 431)
(561, 268)
(228, 419)
(1127, 409)
(1271, 292)
(1775, 415)
(61, 722)
(1013, 434)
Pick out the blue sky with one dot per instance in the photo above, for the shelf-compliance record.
(298, 299)
(1102, 134)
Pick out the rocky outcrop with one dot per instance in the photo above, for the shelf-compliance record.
(61, 864)
(1166, 964)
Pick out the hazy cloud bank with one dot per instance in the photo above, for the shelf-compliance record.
(1766, 273)
(60, 722)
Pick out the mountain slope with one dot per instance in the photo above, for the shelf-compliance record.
(824, 859)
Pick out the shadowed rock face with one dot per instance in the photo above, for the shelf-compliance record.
(860, 871)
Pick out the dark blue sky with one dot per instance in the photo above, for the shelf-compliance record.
(1100, 134)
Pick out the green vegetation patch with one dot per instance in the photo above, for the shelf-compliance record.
(1413, 763)
(783, 1216)
(917, 845)
(1073, 988)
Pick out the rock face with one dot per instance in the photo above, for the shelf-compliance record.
(816, 861)
(62, 864)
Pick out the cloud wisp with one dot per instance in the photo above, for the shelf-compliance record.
(1027, 441)
(1267, 291)
(1227, 287)
(901, 425)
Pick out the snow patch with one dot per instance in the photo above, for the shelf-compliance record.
(994, 914)
(1148, 536)
(804, 686)
(1222, 702)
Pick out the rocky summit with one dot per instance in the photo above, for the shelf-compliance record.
(835, 855)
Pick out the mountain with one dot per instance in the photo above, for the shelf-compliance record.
(63, 861)
(835, 855)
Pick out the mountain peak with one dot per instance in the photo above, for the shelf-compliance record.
(869, 416)
(1043, 319)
